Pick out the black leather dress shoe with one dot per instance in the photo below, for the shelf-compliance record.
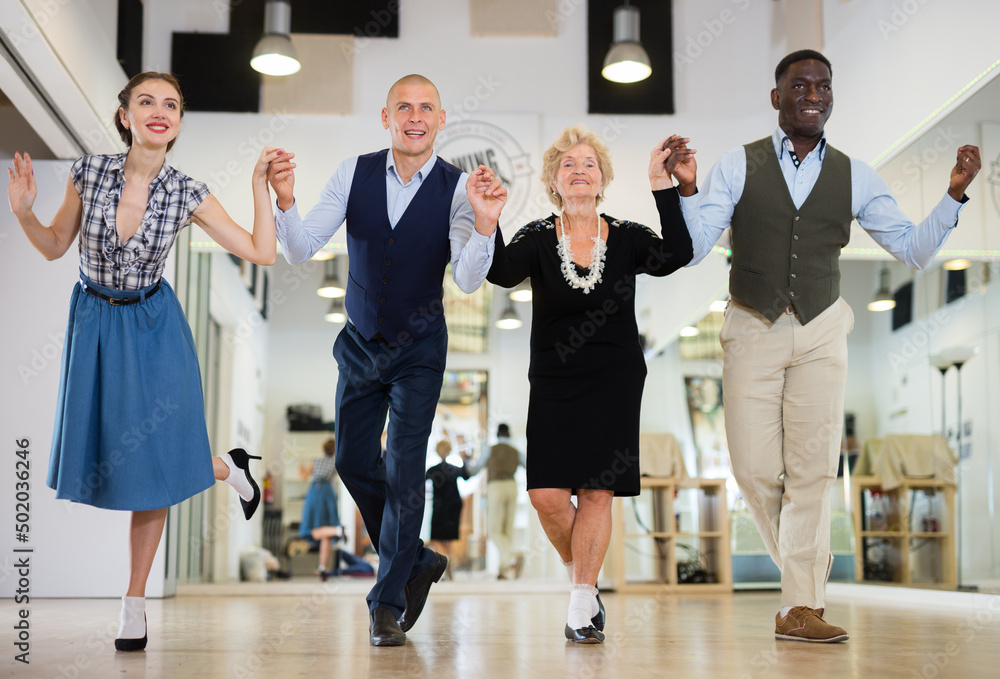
(584, 635)
(133, 644)
(598, 620)
(384, 631)
(416, 590)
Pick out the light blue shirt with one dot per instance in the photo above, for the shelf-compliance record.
(710, 211)
(471, 252)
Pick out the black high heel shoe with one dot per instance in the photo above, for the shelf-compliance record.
(241, 459)
(129, 645)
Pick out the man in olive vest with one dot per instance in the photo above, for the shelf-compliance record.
(789, 200)
(501, 462)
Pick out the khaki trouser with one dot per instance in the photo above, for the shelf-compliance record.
(501, 503)
(783, 388)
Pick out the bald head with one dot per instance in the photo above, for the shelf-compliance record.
(414, 79)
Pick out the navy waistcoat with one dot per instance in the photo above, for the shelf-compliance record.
(395, 278)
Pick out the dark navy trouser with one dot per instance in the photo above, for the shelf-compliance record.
(376, 378)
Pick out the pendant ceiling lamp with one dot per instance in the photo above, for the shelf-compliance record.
(275, 54)
(627, 61)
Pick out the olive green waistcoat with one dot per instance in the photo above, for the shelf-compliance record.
(783, 255)
(502, 463)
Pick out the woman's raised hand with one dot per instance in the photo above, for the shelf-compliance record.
(21, 190)
(280, 173)
(487, 196)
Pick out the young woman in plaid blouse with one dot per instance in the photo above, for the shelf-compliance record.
(130, 428)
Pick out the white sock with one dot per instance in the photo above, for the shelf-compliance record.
(595, 608)
(581, 599)
(133, 619)
(237, 478)
(569, 569)
(785, 610)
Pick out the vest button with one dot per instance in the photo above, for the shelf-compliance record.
(391, 241)
(796, 218)
(794, 276)
(790, 294)
(794, 256)
(388, 262)
(795, 237)
(385, 281)
(381, 300)
(381, 320)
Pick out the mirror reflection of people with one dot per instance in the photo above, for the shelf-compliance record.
(587, 367)
(501, 462)
(789, 200)
(408, 217)
(446, 505)
(320, 516)
(129, 361)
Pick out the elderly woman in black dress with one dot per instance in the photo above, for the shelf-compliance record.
(587, 367)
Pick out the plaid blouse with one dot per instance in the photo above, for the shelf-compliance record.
(324, 469)
(139, 261)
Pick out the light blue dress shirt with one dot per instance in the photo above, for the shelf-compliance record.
(471, 252)
(710, 211)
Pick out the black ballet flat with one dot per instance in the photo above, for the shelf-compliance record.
(242, 460)
(133, 644)
(598, 620)
(584, 635)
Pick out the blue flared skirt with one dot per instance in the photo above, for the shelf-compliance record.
(130, 428)
(320, 508)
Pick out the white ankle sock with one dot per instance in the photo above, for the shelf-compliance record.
(237, 478)
(595, 608)
(785, 610)
(133, 618)
(569, 569)
(581, 600)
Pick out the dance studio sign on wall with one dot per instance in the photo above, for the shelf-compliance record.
(471, 143)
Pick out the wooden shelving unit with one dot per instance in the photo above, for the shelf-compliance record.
(890, 548)
(680, 534)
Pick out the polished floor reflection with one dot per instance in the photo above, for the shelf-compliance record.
(308, 629)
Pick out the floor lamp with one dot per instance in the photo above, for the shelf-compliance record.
(958, 357)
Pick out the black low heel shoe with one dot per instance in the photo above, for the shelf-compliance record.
(242, 460)
(584, 635)
(598, 620)
(133, 644)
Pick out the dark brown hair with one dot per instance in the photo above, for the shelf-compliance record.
(329, 447)
(125, 96)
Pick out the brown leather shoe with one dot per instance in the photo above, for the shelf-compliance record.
(807, 624)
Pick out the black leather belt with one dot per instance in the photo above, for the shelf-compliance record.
(122, 301)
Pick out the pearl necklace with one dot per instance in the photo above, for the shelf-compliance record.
(597, 257)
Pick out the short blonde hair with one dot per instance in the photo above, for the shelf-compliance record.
(567, 139)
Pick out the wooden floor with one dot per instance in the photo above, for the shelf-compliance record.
(491, 629)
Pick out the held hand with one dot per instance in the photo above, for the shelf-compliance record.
(966, 168)
(21, 190)
(281, 176)
(659, 175)
(487, 195)
(267, 156)
(682, 165)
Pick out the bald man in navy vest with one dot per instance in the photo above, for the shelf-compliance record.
(789, 199)
(409, 214)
